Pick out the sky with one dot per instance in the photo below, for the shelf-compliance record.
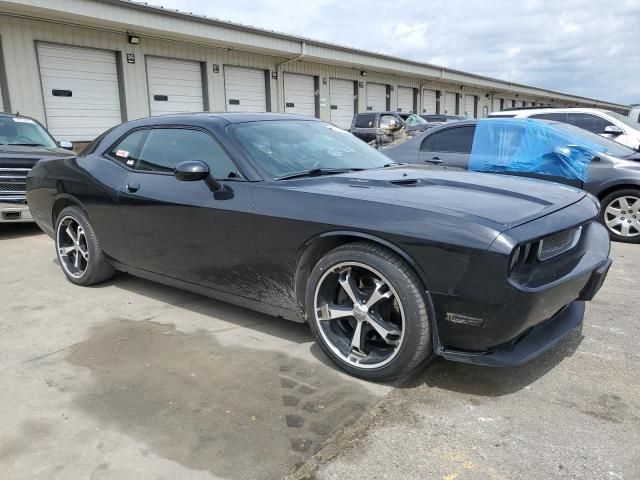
(584, 47)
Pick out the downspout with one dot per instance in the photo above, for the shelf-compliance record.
(281, 75)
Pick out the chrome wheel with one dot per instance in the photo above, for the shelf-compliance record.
(73, 250)
(359, 315)
(622, 216)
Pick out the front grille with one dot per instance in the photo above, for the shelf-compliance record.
(558, 243)
(13, 180)
(13, 187)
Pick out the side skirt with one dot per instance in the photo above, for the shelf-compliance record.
(211, 293)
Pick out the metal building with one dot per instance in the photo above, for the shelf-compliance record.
(82, 66)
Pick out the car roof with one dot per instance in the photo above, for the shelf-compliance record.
(457, 123)
(385, 112)
(225, 118)
(536, 110)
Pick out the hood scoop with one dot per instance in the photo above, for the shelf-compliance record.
(408, 182)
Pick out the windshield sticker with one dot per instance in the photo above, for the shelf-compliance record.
(23, 120)
(122, 153)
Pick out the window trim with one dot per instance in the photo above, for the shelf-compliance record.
(107, 151)
(608, 120)
(446, 130)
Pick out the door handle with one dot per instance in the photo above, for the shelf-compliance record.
(133, 187)
(434, 160)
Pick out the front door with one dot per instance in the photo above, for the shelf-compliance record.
(181, 229)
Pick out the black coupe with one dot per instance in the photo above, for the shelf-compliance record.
(389, 264)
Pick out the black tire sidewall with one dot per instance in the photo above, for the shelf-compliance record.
(414, 312)
(79, 216)
(628, 192)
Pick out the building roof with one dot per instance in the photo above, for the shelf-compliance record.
(143, 18)
(310, 41)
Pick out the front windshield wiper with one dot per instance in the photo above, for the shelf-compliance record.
(392, 164)
(316, 172)
(27, 144)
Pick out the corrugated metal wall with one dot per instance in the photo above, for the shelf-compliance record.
(19, 36)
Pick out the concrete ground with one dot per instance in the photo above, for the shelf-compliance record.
(133, 380)
(572, 413)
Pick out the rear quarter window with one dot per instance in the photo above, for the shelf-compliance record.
(366, 120)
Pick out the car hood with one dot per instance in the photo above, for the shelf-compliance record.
(498, 201)
(26, 157)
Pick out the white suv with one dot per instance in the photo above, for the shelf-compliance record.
(603, 122)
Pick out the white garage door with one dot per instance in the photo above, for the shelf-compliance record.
(469, 105)
(507, 103)
(175, 86)
(376, 97)
(342, 109)
(245, 89)
(405, 99)
(449, 103)
(299, 94)
(80, 91)
(496, 104)
(429, 102)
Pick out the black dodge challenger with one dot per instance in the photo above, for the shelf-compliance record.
(389, 264)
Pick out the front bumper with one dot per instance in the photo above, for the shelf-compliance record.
(539, 338)
(531, 344)
(14, 211)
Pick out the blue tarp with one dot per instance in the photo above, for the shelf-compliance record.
(526, 145)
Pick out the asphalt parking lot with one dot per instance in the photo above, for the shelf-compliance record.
(136, 380)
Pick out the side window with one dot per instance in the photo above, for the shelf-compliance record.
(587, 121)
(128, 149)
(366, 120)
(459, 140)
(558, 117)
(427, 144)
(164, 148)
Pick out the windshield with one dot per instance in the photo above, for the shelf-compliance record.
(287, 147)
(609, 147)
(412, 120)
(24, 131)
(627, 121)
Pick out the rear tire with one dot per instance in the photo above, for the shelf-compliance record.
(367, 311)
(620, 214)
(78, 249)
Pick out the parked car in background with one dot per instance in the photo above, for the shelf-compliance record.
(634, 115)
(294, 217)
(601, 122)
(23, 141)
(370, 126)
(614, 175)
(442, 118)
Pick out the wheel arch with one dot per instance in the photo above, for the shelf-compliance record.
(61, 202)
(314, 248)
(609, 189)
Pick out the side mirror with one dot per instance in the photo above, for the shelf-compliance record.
(613, 130)
(194, 170)
(65, 144)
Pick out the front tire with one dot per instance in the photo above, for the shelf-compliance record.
(620, 214)
(78, 249)
(367, 311)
